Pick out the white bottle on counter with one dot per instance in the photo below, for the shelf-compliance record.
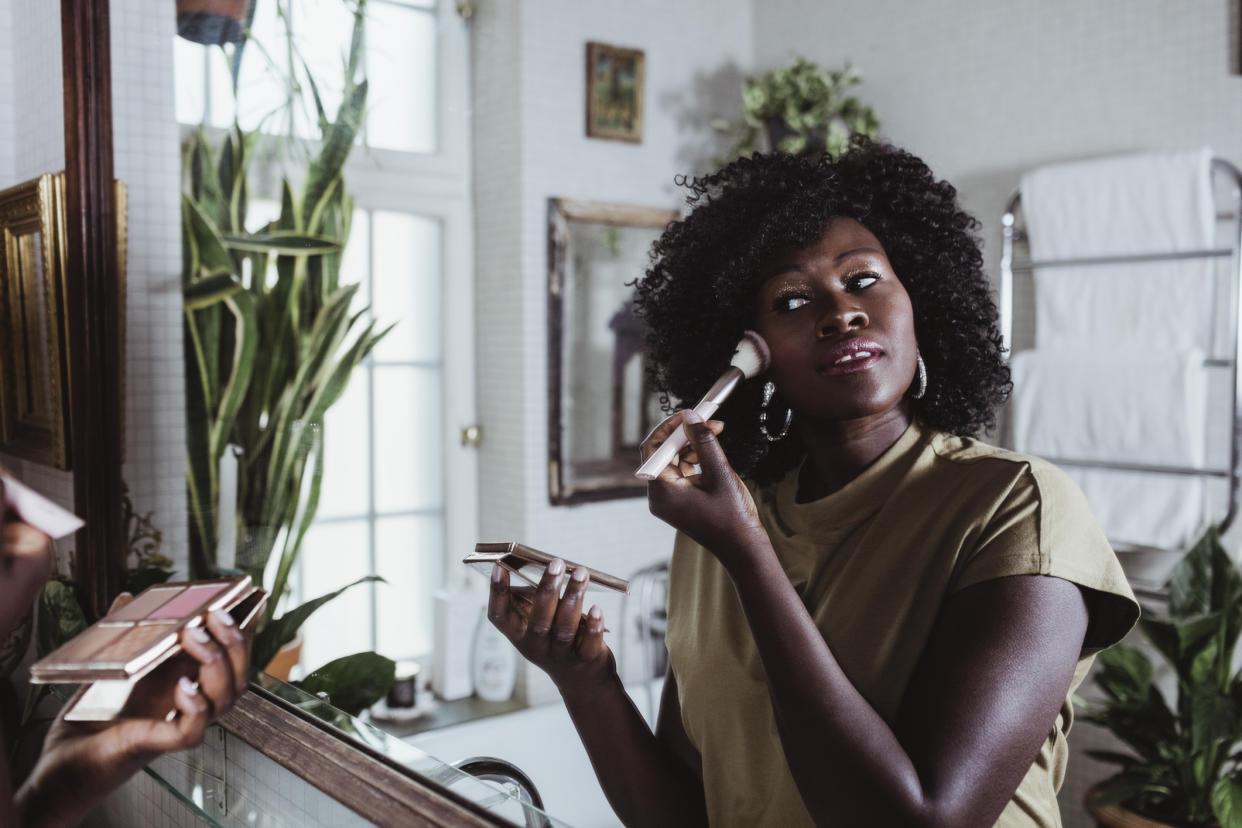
(494, 663)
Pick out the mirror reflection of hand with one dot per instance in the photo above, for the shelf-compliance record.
(550, 630)
(82, 762)
(27, 560)
(699, 493)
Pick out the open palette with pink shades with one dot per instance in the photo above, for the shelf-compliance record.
(128, 644)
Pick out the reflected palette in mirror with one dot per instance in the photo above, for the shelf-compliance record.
(121, 649)
(528, 564)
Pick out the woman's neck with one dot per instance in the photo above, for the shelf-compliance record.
(839, 452)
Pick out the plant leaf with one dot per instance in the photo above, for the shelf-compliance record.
(285, 243)
(1190, 584)
(353, 682)
(1214, 717)
(60, 617)
(203, 293)
(282, 630)
(213, 258)
(1117, 789)
(1227, 802)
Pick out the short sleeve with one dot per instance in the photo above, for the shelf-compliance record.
(1043, 526)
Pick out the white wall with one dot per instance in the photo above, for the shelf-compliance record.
(7, 112)
(530, 144)
(147, 157)
(983, 91)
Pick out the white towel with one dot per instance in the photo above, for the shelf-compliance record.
(1128, 205)
(1143, 407)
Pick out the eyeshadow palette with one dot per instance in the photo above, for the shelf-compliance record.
(125, 646)
(528, 564)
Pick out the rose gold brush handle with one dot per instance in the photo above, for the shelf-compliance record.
(706, 407)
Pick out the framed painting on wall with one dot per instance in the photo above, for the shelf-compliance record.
(34, 386)
(614, 84)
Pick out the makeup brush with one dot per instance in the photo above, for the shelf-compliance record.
(749, 360)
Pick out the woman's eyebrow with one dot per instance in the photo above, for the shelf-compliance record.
(783, 270)
(857, 251)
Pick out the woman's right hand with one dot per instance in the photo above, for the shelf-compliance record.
(550, 630)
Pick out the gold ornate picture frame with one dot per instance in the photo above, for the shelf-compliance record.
(34, 346)
(614, 86)
(34, 376)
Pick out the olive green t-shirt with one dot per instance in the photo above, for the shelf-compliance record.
(873, 562)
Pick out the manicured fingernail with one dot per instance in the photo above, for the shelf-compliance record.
(579, 574)
(497, 570)
(692, 416)
(557, 566)
(596, 613)
(199, 634)
(223, 617)
(188, 686)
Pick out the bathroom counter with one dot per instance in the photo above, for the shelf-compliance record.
(445, 714)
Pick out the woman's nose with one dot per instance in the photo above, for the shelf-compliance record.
(840, 320)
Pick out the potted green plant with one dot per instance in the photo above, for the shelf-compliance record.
(800, 108)
(271, 341)
(1184, 767)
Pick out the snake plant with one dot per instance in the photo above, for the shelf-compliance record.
(271, 341)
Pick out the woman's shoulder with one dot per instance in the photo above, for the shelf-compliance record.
(969, 455)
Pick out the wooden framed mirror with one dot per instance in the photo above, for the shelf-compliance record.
(599, 406)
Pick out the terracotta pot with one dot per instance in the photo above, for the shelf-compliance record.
(212, 22)
(1118, 816)
(286, 659)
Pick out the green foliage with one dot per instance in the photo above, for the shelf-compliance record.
(283, 629)
(271, 342)
(800, 108)
(1183, 767)
(60, 617)
(352, 683)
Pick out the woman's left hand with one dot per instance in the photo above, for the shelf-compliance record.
(81, 762)
(711, 506)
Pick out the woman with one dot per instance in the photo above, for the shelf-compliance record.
(874, 619)
(81, 764)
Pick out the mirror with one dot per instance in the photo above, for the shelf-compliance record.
(600, 405)
(34, 389)
(463, 194)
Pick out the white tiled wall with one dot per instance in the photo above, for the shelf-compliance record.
(147, 158)
(234, 784)
(530, 145)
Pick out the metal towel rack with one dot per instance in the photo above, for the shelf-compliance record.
(1014, 234)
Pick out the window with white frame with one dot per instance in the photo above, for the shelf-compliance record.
(398, 488)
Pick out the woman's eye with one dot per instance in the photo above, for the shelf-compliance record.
(861, 281)
(789, 303)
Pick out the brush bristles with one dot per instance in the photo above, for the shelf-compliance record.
(752, 355)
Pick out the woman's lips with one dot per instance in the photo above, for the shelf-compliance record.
(850, 357)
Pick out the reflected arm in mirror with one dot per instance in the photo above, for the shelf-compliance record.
(649, 779)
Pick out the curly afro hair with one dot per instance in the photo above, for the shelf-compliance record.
(699, 294)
